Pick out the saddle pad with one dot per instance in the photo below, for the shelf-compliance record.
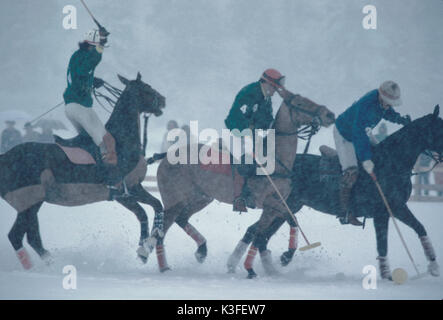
(77, 155)
(223, 166)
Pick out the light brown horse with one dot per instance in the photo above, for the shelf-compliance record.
(188, 188)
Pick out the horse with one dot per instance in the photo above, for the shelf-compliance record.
(34, 173)
(186, 189)
(316, 185)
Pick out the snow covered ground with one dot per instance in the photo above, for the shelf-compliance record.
(100, 241)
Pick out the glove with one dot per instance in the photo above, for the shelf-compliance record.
(97, 83)
(406, 120)
(368, 165)
(103, 35)
(103, 32)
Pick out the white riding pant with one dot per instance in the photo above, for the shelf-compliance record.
(345, 150)
(86, 119)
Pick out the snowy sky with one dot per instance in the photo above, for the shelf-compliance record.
(199, 54)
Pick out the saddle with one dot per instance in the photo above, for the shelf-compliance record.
(80, 149)
(227, 166)
(329, 167)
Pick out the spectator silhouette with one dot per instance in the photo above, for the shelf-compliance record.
(47, 135)
(30, 134)
(10, 137)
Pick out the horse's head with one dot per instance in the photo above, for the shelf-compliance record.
(298, 111)
(146, 98)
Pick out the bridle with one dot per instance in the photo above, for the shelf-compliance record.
(308, 131)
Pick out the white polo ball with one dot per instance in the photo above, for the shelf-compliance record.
(399, 276)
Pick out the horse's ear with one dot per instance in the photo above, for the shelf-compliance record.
(123, 80)
(139, 76)
(436, 111)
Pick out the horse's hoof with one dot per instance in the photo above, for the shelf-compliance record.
(163, 270)
(47, 258)
(286, 258)
(231, 269)
(434, 269)
(201, 253)
(143, 259)
(251, 274)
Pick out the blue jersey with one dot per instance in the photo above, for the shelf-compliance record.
(364, 113)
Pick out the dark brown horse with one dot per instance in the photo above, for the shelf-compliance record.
(33, 173)
(316, 185)
(188, 188)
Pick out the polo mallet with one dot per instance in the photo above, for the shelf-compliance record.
(382, 195)
(92, 16)
(309, 245)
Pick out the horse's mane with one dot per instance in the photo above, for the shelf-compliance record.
(414, 129)
(402, 147)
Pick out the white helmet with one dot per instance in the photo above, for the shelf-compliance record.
(92, 37)
(390, 93)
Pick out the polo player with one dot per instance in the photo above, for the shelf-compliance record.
(252, 109)
(352, 132)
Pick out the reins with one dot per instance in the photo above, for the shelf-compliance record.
(116, 94)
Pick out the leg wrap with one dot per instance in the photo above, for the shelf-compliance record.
(249, 262)
(385, 270)
(266, 259)
(293, 238)
(161, 258)
(24, 258)
(235, 257)
(194, 234)
(348, 180)
(428, 248)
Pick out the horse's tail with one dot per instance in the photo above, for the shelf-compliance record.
(156, 157)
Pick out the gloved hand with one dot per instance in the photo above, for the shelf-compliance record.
(103, 32)
(97, 83)
(368, 165)
(103, 35)
(406, 120)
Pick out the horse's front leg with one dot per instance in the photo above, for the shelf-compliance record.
(145, 197)
(241, 247)
(260, 242)
(144, 248)
(405, 215)
(381, 232)
(27, 223)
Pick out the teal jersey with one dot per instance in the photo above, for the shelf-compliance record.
(251, 109)
(80, 77)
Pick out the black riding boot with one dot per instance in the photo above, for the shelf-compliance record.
(347, 182)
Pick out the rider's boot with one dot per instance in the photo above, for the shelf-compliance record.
(348, 180)
(107, 149)
(239, 201)
(117, 190)
(245, 198)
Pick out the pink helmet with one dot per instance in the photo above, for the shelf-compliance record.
(274, 78)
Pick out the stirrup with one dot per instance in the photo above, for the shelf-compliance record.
(353, 220)
(239, 205)
(117, 193)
